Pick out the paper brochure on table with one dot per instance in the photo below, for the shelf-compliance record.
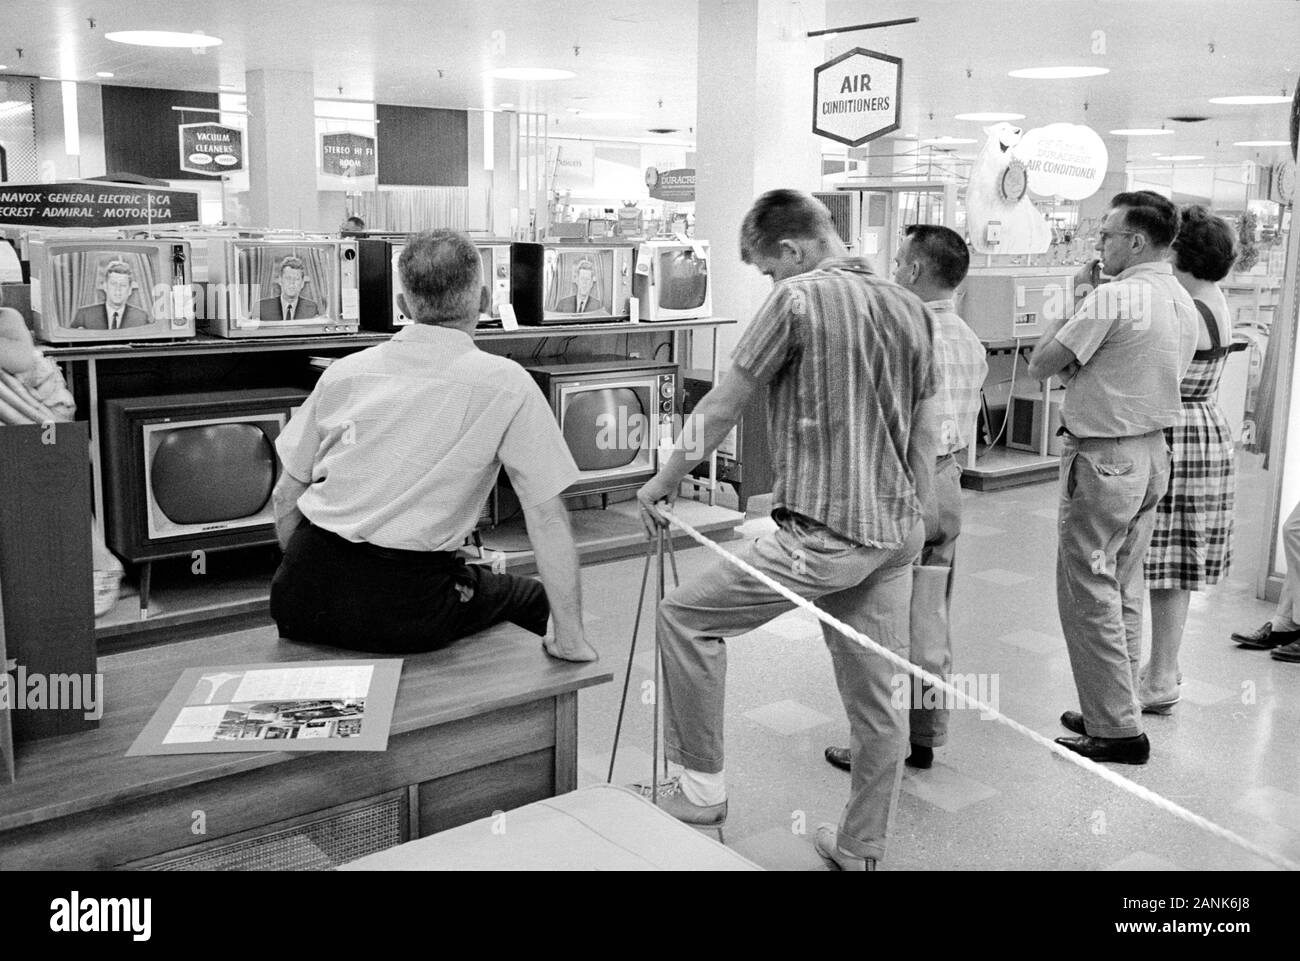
(297, 706)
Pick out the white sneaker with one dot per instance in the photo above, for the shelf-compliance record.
(827, 844)
(675, 802)
(108, 586)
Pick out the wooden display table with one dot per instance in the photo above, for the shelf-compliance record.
(488, 724)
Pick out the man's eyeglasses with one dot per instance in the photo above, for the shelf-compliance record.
(1104, 235)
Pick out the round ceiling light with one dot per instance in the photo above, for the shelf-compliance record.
(529, 73)
(1261, 143)
(663, 130)
(1250, 100)
(1057, 73)
(989, 117)
(1142, 132)
(163, 38)
(103, 74)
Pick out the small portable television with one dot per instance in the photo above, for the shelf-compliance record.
(613, 414)
(192, 471)
(381, 283)
(276, 286)
(672, 280)
(557, 283)
(95, 288)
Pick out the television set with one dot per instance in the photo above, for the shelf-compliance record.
(276, 286)
(94, 288)
(188, 472)
(381, 283)
(557, 283)
(613, 414)
(672, 280)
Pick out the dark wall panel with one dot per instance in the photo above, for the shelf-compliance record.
(422, 146)
(140, 129)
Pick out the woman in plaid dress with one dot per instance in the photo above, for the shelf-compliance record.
(1192, 544)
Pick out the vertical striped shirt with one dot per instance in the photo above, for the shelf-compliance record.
(960, 365)
(848, 357)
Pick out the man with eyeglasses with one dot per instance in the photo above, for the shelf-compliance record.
(1121, 355)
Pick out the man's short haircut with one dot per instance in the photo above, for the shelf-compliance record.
(355, 223)
(585, 265)
(440, 271)
(945, 254)
(1149, 213)
(1206, 245)
(782, 215)
(118, 267)
(294, 262)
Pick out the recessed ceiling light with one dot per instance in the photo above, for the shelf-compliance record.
(990, 117)
(103, 73)
(529, 73)
(662, 130)
(163, 38)
(1251, 99)
(1261, 143)
(1184, 156)
(1142, 132)
(947, 141)
(1057, 73)
(505, 106)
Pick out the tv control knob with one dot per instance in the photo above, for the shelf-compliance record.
(666, 389)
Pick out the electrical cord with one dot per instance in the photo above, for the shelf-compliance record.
(1015, 358)
(666, 343)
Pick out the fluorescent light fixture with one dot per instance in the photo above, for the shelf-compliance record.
(1250, 100)
(1142, 132)
(163, 38)
(505, 106)
(1261, 143)
(4, 66)
(946, 141)
(71, 123)
(989, 117)
(104, 74)
(1184, 156)
(529, 73)
(1057, 73)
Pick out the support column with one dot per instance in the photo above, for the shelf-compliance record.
(282, 150)
(754, 133)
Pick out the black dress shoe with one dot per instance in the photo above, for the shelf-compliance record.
(1288, 652)
(921, 757)
(1265, 638)
(1121, 750)
(840, 757)
(1073, 721)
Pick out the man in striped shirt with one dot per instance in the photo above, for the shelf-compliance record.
(932, 262)
(848, 360)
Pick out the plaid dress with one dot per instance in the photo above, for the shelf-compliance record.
(1191, 547)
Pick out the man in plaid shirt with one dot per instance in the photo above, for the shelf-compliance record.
(932, 262)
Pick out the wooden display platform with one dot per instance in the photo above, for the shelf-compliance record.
(998, 468)
(486, 724)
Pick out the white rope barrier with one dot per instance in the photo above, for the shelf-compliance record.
(988, 711)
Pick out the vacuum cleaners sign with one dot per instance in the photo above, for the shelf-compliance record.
(857, 97)
(211, 148)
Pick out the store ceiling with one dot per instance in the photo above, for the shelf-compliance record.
(630, 55)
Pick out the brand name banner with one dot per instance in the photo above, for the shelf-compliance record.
(94, 204)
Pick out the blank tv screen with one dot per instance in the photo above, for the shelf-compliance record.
(684, 280)
(213, 473)
(605, 428)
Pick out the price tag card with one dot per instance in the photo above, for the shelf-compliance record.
(508, 319)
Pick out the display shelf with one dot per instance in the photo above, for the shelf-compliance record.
(997, 468)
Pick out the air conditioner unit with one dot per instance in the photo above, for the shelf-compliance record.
(1025, 424)
(846, 213)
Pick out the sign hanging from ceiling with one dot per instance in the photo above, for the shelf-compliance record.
(857, 97)
(347, 154)
(94, 203)
(211, 148)
(674, 186)
(1063, 160)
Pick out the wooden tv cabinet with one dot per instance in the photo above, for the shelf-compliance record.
(485, 725)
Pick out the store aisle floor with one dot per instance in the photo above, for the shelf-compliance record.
(993, 800)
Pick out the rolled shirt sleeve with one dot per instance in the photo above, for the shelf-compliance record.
(1087, 330)
(299, 442)
(770, 342)
(534, 453)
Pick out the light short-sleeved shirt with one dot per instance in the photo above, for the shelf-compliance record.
(401, 443)
(848, 357)
(1134, 339)
(960, 364)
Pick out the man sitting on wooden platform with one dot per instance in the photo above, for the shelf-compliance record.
(385, 470)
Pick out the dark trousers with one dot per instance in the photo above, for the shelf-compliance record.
(329, 590)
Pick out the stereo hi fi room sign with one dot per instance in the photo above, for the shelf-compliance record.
(857, 97)
(211, 148)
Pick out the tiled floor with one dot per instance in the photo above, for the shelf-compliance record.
(993, 800)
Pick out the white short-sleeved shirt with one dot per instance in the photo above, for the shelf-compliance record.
(1134, 339)
(401, 443)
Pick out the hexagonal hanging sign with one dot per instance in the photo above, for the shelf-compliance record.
(857, 96)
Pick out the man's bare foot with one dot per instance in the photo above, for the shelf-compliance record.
(580, 651)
